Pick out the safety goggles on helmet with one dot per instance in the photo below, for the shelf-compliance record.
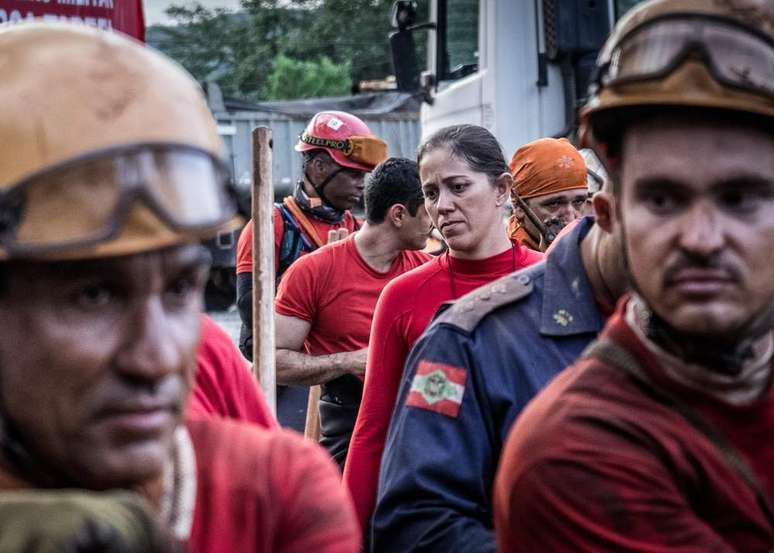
(87, 200)
(735, 55)
(366, 150)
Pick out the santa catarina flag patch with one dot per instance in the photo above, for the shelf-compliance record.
(438, 387)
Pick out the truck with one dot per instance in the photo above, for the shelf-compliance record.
(520, 68)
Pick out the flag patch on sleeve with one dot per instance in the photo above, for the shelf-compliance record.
(438, 387)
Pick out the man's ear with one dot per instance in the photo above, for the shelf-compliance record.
(319, 165)
(604, 208)
(503, 185)
(396, 214)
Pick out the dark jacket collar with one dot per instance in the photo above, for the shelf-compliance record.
(569, 306)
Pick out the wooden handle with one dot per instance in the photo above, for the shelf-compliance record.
(312, 428)
(263, 266)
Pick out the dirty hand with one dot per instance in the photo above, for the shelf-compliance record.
(553, 226)
(334, 235)
(33, 521)
(358, 361)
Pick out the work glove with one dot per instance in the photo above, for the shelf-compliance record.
(553, 226)
(67, 521)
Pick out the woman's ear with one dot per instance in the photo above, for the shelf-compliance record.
(503, 185)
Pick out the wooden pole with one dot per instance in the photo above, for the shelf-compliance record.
(312, 428)
(263, 265)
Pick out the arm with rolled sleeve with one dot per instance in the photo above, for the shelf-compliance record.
(437, 471)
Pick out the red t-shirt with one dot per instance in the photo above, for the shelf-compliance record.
(244, 261)
(596, 464)
(224, 386)
(404, 310)
(336, 291)
(261, 491)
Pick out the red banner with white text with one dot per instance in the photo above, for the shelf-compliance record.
(118, 15)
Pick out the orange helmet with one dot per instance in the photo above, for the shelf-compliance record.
(346, 138)
(137, 167)
(684, 54)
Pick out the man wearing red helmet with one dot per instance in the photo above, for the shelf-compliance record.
(337, 150)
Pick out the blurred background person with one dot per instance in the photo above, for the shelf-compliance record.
(549, 191)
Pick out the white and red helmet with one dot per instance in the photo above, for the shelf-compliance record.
(346, 138)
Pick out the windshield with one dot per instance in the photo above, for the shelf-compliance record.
(457, 38)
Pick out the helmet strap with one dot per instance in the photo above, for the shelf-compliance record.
(725, 355)
(324, 212)
(320, 188)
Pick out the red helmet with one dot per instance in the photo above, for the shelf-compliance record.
(346, 138)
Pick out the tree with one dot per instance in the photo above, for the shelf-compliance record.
(307, 79)
(354, 31)
(212, 45)
(243, 52)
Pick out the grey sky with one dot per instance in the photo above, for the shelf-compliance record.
(154, 9)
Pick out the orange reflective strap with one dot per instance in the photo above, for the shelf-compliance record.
(306, 226)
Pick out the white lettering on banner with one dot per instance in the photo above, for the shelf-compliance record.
(108, 4)
(14, 17)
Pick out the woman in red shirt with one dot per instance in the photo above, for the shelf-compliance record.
(466, 184)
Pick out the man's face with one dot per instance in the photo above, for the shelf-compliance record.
(697, 208)
(343, 191)
(97, 359)
(416, 229)
(555, 210)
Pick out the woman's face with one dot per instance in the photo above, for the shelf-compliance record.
(464, 205)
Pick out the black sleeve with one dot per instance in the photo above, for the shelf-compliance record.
(245, 308)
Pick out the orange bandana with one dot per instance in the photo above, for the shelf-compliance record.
(547, 166)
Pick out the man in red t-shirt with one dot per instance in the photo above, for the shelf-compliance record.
(326, 300)
(659, 439)
(101, 288)
(337, 150)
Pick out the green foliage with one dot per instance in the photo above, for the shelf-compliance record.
(353, 30)
(214, 45)
(283, 49)
(307, 79)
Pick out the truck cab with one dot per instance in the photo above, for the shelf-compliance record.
(520, 68)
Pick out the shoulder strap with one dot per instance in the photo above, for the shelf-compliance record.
(467, 312)
(611, 353)
(292, 241)
(303, 221)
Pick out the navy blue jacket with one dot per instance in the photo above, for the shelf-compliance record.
(510, 338)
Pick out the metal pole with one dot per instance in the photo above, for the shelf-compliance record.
(263, 265)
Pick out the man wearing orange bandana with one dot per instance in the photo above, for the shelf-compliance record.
(549, 190)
